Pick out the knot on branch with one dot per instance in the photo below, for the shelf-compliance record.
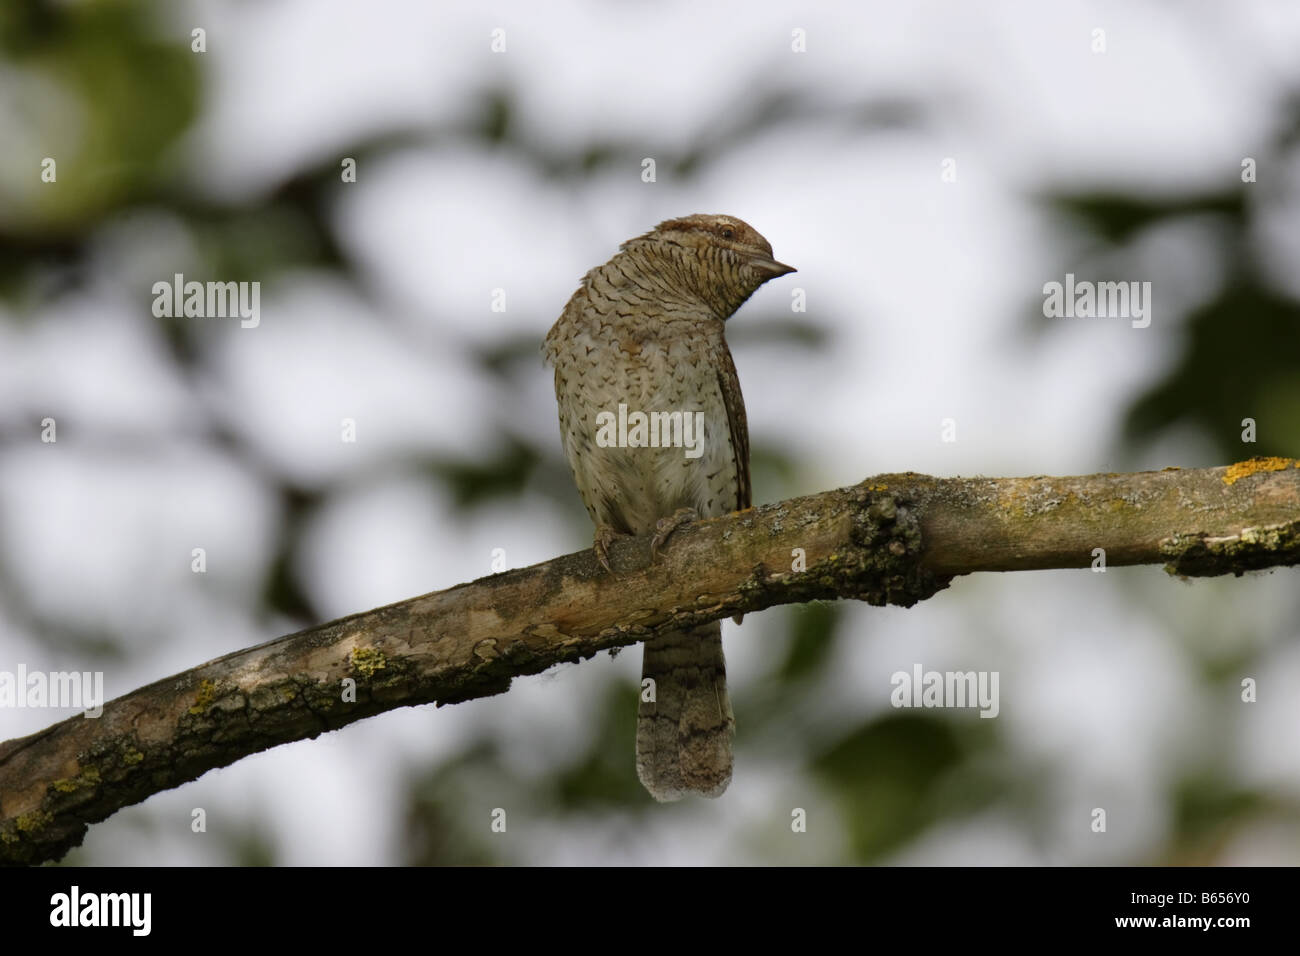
(887, 565)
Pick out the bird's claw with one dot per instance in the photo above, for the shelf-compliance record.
(666, 526)
(605, 536)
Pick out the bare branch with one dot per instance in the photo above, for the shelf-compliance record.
(892, 539)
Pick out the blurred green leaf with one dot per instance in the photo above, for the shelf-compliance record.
(812, 634)
(1241, 361)
(886, 777)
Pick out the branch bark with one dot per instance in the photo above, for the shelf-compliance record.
(892, 539)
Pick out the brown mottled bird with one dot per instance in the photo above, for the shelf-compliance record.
(645, 331)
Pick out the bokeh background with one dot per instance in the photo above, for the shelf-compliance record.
(517, 170)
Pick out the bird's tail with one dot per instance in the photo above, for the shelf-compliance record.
(683, 734)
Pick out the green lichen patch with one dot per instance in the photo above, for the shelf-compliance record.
(32, 822)
(207, 694)
(1199, 555)
(87, 778)
(367, 661)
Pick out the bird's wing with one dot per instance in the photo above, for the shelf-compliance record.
(729, 385)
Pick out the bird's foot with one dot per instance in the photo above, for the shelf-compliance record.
(605, 536)
(666, 526)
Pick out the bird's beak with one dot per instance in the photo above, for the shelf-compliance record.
(770, 267)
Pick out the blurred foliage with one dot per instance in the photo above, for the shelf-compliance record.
(887, 776)
(108, 96)
(812, 633)
(1241, 357)
(103, 89)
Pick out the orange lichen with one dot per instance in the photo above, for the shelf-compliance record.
(1253, 465)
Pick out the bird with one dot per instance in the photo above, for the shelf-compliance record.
(644, 333)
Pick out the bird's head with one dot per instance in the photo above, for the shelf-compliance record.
(722, 259)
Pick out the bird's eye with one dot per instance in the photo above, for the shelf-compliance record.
(727, 232)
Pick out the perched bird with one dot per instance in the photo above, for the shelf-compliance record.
(645, 331)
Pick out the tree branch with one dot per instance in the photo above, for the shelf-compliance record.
(892, 539)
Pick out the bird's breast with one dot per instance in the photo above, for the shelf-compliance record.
(644, 422)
